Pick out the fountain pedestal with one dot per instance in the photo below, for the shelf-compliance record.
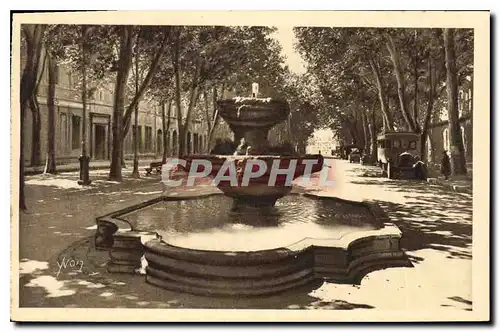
(251, 119)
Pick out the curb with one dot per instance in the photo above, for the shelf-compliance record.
(76, 168)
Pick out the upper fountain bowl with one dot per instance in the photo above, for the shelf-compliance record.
(253, 112)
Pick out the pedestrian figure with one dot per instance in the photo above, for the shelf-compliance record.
(419, 169)
(445, 165)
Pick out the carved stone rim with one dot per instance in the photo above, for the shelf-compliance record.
(153, 240)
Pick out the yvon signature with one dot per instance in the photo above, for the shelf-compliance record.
(75, 265)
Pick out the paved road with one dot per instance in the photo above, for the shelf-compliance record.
(436, 225)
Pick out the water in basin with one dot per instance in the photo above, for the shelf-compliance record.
(208, 223)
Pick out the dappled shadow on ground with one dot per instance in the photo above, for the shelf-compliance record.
(430, 225)
(66, 182)
(366, 172)
(429, 216)
(46, 284)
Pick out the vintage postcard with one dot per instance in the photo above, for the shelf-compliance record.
(250, 166)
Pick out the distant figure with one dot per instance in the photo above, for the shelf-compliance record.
(420, 169)
(241, 150)
(319, 152)
(445, 165)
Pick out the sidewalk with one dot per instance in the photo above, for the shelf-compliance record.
(456, 184)
(94, 165)
(462, 183)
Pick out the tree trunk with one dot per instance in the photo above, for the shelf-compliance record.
(208, 118)
(135, 170)
(165, 122)
(301, 147)
(386, 115)
(401, 83)
(456, 143)
(36, 128)
(193, 99)
(366, 139)
(124, 64)
(430, 106)
(33, 34)
(216, 116)
(415, 93)
(352, 131)
(373, 141)
(178, 103)
(50, 166)
(145, 83)
(36, 121)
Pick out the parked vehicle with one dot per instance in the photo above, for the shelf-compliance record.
(345, 150)
(398, 154)
(354, 156)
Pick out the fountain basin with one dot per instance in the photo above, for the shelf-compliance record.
(252, 118)
(242, 112)
(189, 245)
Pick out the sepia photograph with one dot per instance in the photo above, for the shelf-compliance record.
(250, 166)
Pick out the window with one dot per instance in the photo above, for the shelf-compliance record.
(63, 130)
(396, 143)
(404, 143)
(75, 132)
(413, 145)
(148, 143)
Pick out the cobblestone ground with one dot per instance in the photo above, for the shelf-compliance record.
(59, 267)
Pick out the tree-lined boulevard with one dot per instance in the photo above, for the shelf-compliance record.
(358, 82)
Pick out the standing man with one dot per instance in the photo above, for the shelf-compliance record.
(445, 165)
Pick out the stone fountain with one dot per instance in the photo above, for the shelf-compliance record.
(255, 239)
(251, 119)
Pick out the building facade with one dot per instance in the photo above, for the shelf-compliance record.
(69, 125)
(438, 139)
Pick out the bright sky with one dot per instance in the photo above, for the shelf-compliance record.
(286, 38)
